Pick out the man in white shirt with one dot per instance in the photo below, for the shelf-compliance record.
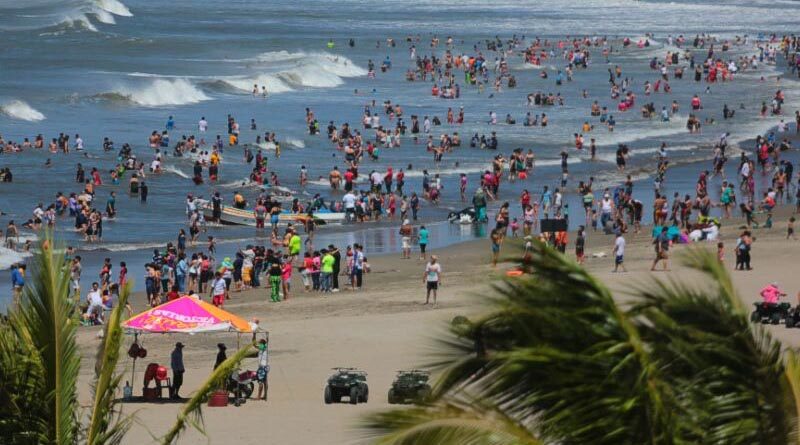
(202, 125)
(377, 180)
(95, 303)
(349, 201)
(619, 252)
(432, 277)
(78, 142)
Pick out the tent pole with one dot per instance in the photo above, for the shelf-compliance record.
(133, 368)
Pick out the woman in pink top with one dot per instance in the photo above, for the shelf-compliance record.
(286, 276)
(772, 293)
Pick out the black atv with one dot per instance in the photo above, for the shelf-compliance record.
(347, 382)
(410, 387)
(770, 312)
(793, 317)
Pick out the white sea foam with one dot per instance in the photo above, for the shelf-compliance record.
(296, 142)
(9, 257)
(17, 109)
(175, 170)
(291, 70)
(43, 14)
(161, 92)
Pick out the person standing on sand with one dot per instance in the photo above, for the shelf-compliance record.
(432, 278)
(405, 239)
(221, 355)
(423, 235)
(619, 252)
(662, 250)
(263, 369)
(497, 240)
(337, 264)
(580, 244)
(176, 362)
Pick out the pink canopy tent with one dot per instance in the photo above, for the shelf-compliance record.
(187, 315)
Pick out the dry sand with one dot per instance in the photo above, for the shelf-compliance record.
(385, 328)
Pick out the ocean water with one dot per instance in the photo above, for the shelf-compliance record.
(119, 68)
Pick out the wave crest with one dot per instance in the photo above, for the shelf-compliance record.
(157, 93)
(17, 109)
(292, 70)
(42, 14)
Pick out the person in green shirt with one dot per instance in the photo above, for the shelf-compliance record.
(295, 243)
(326, 270)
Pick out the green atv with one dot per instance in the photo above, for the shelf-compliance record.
(347, 382)
(410, 387)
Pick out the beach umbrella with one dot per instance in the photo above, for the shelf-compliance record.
(187, 315)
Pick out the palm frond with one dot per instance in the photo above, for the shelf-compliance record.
(192, 414)
(449, 423)
(730, 370)
(21, 398)
(557, 347)
(106, 427)
(44, 317)
(793, 384)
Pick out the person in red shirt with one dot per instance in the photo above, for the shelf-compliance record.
(525, 199)
(173, 294)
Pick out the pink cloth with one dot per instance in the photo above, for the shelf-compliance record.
(770, 294)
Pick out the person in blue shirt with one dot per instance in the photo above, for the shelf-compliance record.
(17, 280)
(170, 124)
(423, 241)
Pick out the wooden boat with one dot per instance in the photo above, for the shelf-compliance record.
(245, 217)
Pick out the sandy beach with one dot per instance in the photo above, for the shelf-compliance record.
(386, 327)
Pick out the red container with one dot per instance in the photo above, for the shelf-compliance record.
(218, 399)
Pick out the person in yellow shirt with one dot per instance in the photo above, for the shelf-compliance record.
(233, 140)
(214, 159)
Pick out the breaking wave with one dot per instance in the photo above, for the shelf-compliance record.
(42, 14)
(290, 71)
(17, 109)
(157, 93)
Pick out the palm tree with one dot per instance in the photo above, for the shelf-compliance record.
(557, 360)
(40, 362)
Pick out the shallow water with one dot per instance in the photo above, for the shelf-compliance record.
(119, 69)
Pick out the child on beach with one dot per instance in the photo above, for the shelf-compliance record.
(721, 252)
(514, 227)
(790, 229)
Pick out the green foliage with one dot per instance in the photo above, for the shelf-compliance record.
(557, 359)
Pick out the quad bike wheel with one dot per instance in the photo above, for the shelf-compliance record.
(754, 317)
(353, 395)
(789, 321)
(365, 394)
(775, 318)
(328, 395)
(392, 397)
(247, 392)
(424, 394)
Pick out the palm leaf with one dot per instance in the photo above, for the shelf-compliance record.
(793, 383)
(192, 414)
(45, 319)
(465, 422)
(100, 430)
(21, 396)
(557, 348)
(731, 370)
